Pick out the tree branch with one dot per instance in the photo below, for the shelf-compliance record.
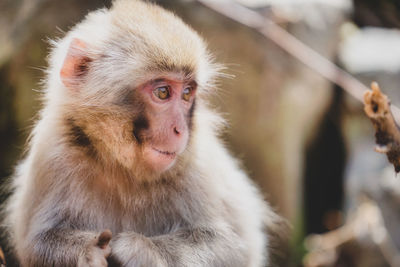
(387, 136)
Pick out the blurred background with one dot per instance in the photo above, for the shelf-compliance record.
(304, 140)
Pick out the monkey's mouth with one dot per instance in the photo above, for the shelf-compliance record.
(166, 153)
(160, 160)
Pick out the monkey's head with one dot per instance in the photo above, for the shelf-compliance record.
(127, 83)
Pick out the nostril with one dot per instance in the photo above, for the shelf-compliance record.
(176, 131)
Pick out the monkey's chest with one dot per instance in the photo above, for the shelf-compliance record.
(153, 217)
(148, 213)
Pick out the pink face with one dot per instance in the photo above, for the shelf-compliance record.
(169, 106)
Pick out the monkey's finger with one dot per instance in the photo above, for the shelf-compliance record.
(104, 239)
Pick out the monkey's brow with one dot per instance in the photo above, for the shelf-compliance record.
(186, 80)
(159, 80)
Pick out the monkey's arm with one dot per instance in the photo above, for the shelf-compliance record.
(67, 247)
(205, 246)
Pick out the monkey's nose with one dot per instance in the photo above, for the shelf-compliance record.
(176, 131)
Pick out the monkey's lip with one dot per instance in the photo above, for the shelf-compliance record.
(158, 159)
(165, 153)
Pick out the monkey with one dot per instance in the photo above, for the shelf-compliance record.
(125, 166)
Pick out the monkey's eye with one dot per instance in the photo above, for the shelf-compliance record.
(187, 93)
(162, 92)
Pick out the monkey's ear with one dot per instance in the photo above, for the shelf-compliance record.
(76, 64)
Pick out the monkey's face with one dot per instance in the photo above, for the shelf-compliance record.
(162, 128)
(140, 117)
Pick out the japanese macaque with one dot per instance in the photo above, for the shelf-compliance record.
(124, 165)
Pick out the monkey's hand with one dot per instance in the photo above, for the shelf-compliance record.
(135, 250)
(97, 251)
(182, 248)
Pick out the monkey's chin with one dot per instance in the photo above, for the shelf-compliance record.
(158, 159)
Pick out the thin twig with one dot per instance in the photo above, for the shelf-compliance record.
(293, 46)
